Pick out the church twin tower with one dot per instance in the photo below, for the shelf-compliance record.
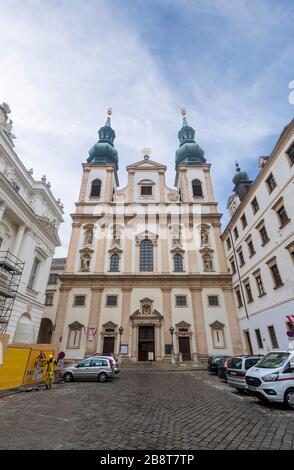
(146, 275)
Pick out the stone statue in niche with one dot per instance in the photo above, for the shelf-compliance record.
(89, 236)
(207, 262)
(85, 263)
(116, 237)
(204, 235)
(146, 309)
(176, 235)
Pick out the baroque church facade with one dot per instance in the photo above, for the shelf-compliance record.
(146, 275)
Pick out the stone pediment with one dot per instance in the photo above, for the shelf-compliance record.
(110, 324)
(217, 325)
(146, 165)
(86, 251)
(139, 315)
(183, 324)
(75, 325)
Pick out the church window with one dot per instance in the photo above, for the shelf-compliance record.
(114, 263)
(74, 337)
(146, 190)
(197, 188)
(146, 255)
(178, 263)
(181, 301)
(96, 188)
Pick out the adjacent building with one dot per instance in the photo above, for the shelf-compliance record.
(259, 246)
(51, 301)
(146, 273)
(29, 220)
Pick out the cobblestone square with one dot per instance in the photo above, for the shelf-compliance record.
(144, 410)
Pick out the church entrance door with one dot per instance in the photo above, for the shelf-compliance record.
(184, 348)
(146, 343)
(108, 345)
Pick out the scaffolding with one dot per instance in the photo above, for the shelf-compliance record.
(11, 269)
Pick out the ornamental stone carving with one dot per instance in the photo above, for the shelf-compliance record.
(5, 122)
(173, 196)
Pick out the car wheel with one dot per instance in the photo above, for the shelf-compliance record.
(240, 390)
(289, 398)
(102, 377)
(68, 377)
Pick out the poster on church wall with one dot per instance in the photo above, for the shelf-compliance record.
(124, 349)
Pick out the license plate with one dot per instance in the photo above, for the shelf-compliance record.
(233, 373)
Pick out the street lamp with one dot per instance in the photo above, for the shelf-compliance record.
(120, 330)
(172, 330)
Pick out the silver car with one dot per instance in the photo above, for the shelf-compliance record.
(93, 368)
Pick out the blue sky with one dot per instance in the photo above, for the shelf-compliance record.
(229, 62)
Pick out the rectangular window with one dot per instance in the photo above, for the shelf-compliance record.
(74, 339)
(260, 287)
(241, 257)
(273, 337)
(34, 273)
(146, 190)
(290, 154)
(80, 300)
(248, 292)
(53, 278)
(213, 301)
(181, 301)
(233, 266)
(1, 241)
(254, 205)
(276, 275)
(243, 220)
(251, 248)
(236, 233)
(282, 214)
(49, 299)
(264, 235)
(239, 298)
(229, 244)
(259, 339)
(111, 300)
(271, 183)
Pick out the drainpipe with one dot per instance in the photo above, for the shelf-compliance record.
(241, 284)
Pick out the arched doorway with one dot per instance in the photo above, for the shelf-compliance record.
(25, 330)
(45, 331)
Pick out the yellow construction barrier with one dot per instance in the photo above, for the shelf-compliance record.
(24, 364)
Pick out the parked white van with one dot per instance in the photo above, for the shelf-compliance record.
(272, 378)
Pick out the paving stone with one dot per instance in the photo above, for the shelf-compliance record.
(168, 410)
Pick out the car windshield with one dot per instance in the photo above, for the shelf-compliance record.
(273, 360)
(215, 360)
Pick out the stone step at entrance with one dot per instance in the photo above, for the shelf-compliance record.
(127, 364)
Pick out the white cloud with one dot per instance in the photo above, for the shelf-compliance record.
(64, 63)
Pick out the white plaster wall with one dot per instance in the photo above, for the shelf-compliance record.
(183, 313)
(212, 314)
(146, 175)
(79, 314)
(113, 314)
(198, 173)
(276, 317)
(96, 173)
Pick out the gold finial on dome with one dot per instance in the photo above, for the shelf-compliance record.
(146, 152)
(109, 112)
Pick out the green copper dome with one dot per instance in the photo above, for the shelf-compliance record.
(189, 151)
(103, 151)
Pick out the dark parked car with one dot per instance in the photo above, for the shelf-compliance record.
(213, 362)
(222, 367)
